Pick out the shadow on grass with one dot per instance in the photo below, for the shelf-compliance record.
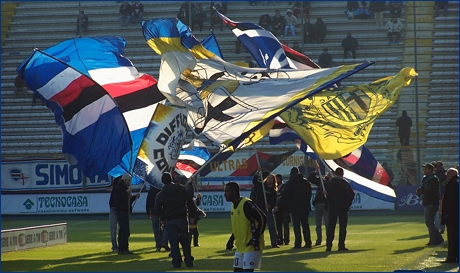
(413, 238)
(408, 250)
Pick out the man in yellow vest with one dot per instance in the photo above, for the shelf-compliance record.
(248, 226)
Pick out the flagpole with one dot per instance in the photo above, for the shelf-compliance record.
(261, 177)
(321, 179)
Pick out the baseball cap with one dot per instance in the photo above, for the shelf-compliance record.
(428, 165)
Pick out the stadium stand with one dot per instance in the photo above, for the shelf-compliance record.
(30, 130)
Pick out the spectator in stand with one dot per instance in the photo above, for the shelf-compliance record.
(377, 8)
(296, 47)
(138, 13)
(20, 87)
(440, 5)
(125, 11)
(265, 21)
(297, 7)
(290, 21)
(308, 32)
(82, 23)
(362, 12)
(404, 122)
(198, 16)
(220, 7)
(325, 59)
(320, 30)
(394, 28)
(182, 15)
(349, 44)
(278, 24)
(449, 215)
(396, 8)
(352, 6)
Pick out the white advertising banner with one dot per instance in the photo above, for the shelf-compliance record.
(89, 203)
(46, 175)
(31, 237)
(72, 203)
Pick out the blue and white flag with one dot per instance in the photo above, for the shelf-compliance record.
(192, 157)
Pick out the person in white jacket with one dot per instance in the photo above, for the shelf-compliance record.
(394, 27)
(290, 21)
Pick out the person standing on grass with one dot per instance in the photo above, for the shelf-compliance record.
(161, 236)
(340, 196)
(429, 192)
(123, 206)
(113, 216)
(175, 205)
(248, 226)
(449, 215)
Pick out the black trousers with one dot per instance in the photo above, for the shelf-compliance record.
(343, 222)
(452, 242)
(282, 219)
(123, 231)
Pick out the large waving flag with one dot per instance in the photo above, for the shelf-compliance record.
(334, 123)
(235, 105)
(100, 59)
(265, 48)
(364, 185)
(161, 146)
(192, 156)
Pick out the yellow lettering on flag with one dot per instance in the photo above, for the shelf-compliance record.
(336, 122)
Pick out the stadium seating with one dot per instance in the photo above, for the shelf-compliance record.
(40, 25)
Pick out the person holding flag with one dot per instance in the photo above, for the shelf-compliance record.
(123, 203)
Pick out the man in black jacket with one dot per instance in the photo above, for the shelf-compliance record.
(320, 204)
(296, 197)
(175, 205)
(429, 191)
(339, 198)
(349, 44)
(123, 201)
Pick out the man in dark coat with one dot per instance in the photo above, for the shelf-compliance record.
(339, 199)
(349, 44)
(123, 201)
(175, 205)
(449, 215)
(429, 191)
(296, 197)
(404, 122)
(159, 232)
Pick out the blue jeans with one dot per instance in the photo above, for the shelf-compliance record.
(320, 214)
(430, 214)
(160, 239)
(343, 222)
(287, 28)
(123, 232)
(124, 19)
(178, 233)
(297, 220)
(137, 18)
(113, 228)
(271, 227)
